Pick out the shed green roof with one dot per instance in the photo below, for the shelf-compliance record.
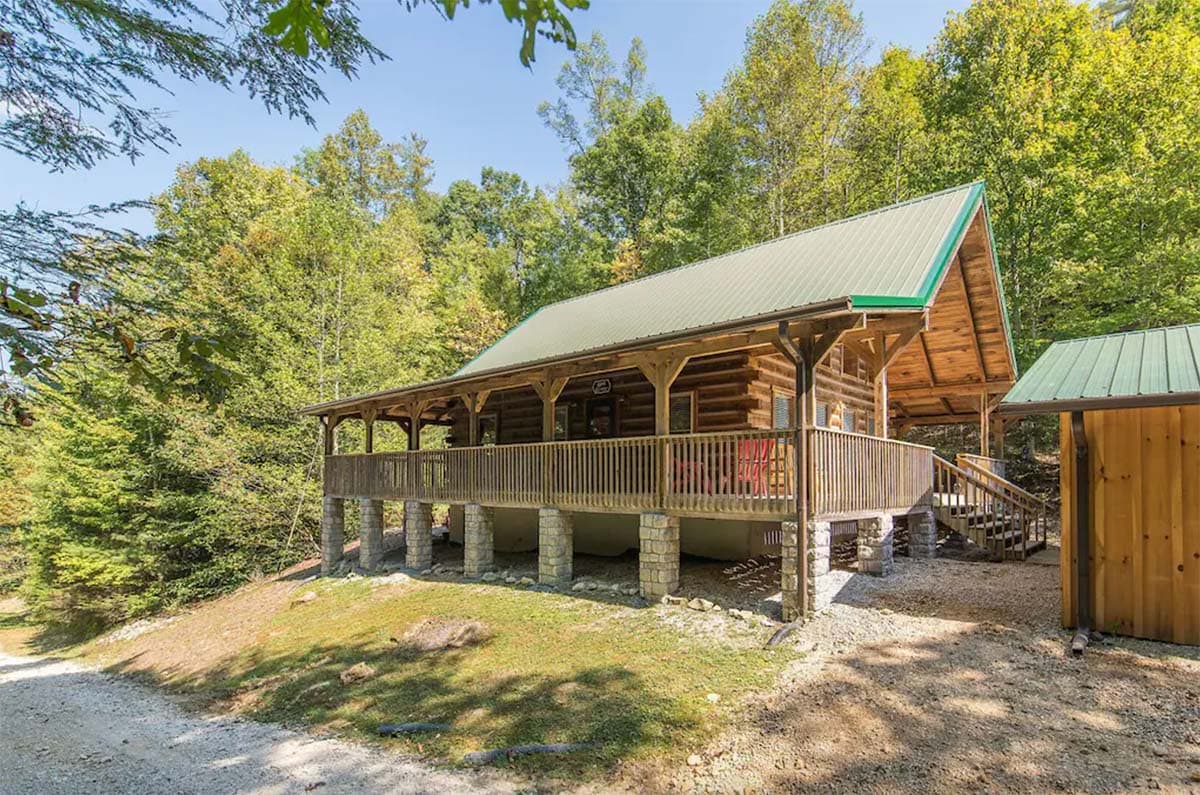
(888, 258)
(1159, 366)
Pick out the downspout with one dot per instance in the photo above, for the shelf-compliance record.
(1082, 513)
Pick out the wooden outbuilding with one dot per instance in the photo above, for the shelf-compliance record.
(1129, 414)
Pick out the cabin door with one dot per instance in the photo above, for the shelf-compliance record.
(601, 418)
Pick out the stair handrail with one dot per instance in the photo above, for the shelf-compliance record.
(1034, 509)
(1004, 484)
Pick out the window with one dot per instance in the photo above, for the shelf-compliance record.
(489, 429)
(822, 418)
(781, 409)
(683, 409)
(871, 424)
(849, 420)
(562, 425)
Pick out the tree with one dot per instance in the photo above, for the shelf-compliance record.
(791, 101)
(73, 72)
(294, 22)
(888, 139)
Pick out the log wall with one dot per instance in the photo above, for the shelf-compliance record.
(843, 380)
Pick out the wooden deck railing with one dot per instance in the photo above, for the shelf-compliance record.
(850, 472)
(995, 466)
(743, 473)
(988, 509)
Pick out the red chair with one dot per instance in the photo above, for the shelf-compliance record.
(754, 462)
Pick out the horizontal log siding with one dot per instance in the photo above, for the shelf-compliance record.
(842, 380)
(721, 384)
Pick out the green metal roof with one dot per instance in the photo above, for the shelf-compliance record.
(1158, 366)
(888, 258)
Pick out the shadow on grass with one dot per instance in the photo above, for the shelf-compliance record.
(607, 707)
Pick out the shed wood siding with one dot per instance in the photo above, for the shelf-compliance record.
(1145, 511)
(843, 381)
(721, 385)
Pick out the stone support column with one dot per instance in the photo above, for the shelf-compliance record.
(922, 535)
(658, 560)
(556, 546)
(418, 534)
(820, 591)
(875, 545)
(478, 539)
(370, 534)
(333, 533)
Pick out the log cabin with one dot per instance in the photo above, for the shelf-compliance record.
(740, 405)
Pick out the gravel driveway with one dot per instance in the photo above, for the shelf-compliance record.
(69, 729)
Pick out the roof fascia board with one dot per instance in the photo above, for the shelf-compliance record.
(1100, 404)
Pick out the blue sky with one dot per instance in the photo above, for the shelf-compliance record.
(459, 84)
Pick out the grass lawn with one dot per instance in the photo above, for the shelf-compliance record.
(532, 667)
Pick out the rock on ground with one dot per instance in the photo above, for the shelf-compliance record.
(66, 729)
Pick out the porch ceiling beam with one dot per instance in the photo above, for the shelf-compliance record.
(943, 419)
(966, 388)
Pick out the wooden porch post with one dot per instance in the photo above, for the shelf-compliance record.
(368, 416)
(661, 370)
(881, 386)
(415, 409)
(985, 414)
(474, 402)
(329, 424)
(548, 389)
(999, 437)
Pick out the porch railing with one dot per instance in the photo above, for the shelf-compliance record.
(742, 473)
(850, 471)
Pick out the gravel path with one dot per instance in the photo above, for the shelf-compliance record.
(69, 729)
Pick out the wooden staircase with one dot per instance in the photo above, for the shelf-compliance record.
(988, 510)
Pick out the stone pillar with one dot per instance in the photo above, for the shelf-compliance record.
(370, 534)
(556, 546)
(418, 534)
(789, 565)
(922, 535)
(478, 539)
(875, 545)
(820, 591)
(658, 561)
(820, 588)
(333, 533)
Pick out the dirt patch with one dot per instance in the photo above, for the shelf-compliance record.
(951, 677)
(439, 634)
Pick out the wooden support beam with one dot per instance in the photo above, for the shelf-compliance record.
(881, 386)
(414, 409)
(329, 425)
(942, 390)
(474, 401)
(368, 417)
(548, 388)
(985, 432)
(661, 369)
(966, 296)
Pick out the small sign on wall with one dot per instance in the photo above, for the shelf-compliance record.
(601, 386)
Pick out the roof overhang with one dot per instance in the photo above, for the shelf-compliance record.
(1101, 403)
(452, 384)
